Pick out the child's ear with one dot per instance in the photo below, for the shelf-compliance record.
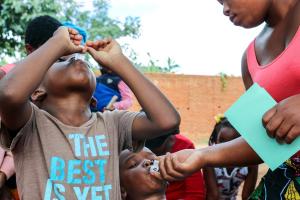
(93, 103)
(123, 193)
(38, 95)
(29, 49)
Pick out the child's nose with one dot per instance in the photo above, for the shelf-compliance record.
(226, 10)
(147, 163)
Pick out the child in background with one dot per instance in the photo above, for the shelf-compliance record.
(191, 188)
(223, 182)
(135, 178)
(61, 149)
(109, 85)
(37, 32)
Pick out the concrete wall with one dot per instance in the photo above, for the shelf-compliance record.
(198, 99)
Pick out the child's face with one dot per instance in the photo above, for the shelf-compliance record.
(69, 76)
(135, 173)
(226, 134)
(246, 13)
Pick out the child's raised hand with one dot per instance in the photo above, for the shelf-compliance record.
(282, 122)
(69, 39)
(179, 165)
(105, 52)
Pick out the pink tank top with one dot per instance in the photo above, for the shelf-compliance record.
(281, 77)
(7, 68)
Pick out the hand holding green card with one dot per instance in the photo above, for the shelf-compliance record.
(246, 116)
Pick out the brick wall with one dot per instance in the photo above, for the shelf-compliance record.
(198, 99)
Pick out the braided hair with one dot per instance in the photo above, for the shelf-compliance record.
(223, 122)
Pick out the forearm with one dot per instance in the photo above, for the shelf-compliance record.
(157, 107)
(212, 190)
(250, 182)
(233, 153)
(28, 74)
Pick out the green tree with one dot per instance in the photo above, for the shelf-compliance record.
(153, 67)
(14, 16)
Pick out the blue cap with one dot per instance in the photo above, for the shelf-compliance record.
(80, 30)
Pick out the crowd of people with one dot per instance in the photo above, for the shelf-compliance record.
(66, 134)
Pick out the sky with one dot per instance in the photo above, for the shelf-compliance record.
(193, 33)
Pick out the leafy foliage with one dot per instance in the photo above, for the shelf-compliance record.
(14, 16)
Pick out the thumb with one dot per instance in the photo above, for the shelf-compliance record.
(177, 165)
(93, 53)
(78, 49)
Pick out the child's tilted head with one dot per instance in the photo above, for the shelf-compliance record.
(135, 174)
(65, 77)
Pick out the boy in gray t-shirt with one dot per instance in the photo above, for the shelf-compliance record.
(61, 149)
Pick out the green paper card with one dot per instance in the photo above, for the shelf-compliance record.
(246, 116)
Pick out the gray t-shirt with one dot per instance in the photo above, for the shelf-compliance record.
(57, 161)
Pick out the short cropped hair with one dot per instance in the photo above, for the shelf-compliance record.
(40, 29)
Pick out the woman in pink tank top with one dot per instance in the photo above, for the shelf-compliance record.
(273, 61)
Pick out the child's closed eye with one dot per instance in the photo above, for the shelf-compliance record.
(61, 60)
(132, 165)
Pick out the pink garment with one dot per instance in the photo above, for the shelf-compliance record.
(7, 163)
(281, 77)
(126, 95)
(7, 68)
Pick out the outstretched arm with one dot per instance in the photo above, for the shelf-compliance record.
(183, 163)
(161, 116)
(17, 86)
(250, 182)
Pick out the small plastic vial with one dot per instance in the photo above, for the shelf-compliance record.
(154, 167)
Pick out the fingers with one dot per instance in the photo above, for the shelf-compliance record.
(169, 167)
(282, 122)
(283, 130)
(72, 31)
(292, 134)
(99, 44)
(92, 52)
(273, 125)
(172, 168)
(268, 115)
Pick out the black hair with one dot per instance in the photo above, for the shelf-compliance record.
(40, 29)
(218, 126)
(158, 141)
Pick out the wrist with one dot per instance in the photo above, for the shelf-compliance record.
(58, 45)
(203, 157)
(119, 62)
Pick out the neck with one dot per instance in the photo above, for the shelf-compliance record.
(278, 11)
(73, 110)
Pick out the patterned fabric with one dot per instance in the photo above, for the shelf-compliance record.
(228, 183)
(280, 184)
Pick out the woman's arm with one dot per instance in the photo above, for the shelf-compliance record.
(250, 182)
(212, 190)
